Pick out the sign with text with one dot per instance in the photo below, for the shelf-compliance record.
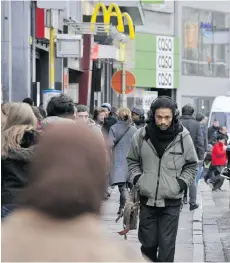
(165, 62)
(165, 44)
(165, 79)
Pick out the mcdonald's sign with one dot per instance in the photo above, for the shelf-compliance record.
(113, 10)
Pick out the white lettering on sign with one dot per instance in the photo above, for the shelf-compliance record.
(164, 62)
(165, 44)
(164, 80)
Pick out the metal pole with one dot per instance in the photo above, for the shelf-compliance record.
(34, 47)
(123, 85)
(10, 52)
(52, 54)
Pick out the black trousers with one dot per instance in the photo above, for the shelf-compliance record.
(157, 232)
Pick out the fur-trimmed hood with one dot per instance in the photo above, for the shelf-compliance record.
(20, 154)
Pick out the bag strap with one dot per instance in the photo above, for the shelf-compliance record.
(119, 139)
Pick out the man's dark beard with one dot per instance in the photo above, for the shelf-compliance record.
(138, 122)
(160, 139)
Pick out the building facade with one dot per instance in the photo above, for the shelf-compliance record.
(202, 33)
(204, 30)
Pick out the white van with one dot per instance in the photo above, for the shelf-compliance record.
(220, 111)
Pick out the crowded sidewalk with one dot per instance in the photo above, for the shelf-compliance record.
(184, 245)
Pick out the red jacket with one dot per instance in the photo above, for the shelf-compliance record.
(219, 156)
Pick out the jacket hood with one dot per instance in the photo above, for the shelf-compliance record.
(53, 119)
(21, 154)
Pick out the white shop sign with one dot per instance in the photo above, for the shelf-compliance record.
(165, 44)
(165, 79)
(164, 62)
(149, 97)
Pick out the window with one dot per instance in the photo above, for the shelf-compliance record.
(206, 41)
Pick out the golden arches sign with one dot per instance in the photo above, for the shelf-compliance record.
(113, 10)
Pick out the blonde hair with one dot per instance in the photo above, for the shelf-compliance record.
(124, 114)
(20, 120)
(5, 108)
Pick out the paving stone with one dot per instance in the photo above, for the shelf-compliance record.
(198, 239)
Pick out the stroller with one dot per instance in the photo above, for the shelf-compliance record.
(225, 173)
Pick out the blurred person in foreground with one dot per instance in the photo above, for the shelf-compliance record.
(138, 117)
(59, 215)
(60, 109)
(18, 137)
(120, 136)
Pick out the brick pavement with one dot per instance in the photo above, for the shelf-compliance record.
(184, 245)
(216, 223)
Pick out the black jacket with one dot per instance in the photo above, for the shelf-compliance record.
(15, 173)
(213, 139)
(212, 131)
(194, 128)
(109, 122)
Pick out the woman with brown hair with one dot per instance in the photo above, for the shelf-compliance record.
(18, 136)
(120, 136)
(99, 116)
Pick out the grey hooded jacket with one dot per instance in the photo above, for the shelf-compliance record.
(159, 177)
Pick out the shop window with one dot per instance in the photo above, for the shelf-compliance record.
(206, 41)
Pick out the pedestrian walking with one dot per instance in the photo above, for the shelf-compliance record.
(83, 114)
(120, 136)
(18, 138)
(138, 117)
(58, 219)
(212, 131)
(110, 119)
(193, 126)
(162, 161)
(222, 130)
(219, 162)
(59, 109)
(99, 116)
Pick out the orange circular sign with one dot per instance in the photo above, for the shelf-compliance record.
(130, 82)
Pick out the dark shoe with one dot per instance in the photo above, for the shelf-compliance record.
(185, 200)
(193, 207)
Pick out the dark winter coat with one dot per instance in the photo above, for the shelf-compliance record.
(213, 140)
(109, 122)
(212, 132)
(15, 173)
(194, 128)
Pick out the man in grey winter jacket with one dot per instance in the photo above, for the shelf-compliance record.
(193, 126)
(162, 162)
